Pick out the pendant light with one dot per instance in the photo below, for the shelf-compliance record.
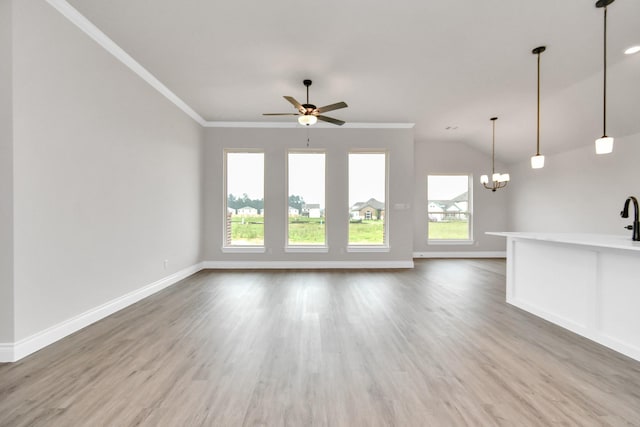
(604, 145)
(498, 180)
(537, 161)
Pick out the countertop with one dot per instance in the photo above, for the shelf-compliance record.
(611, 241)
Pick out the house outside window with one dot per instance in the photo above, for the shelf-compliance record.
(449, 208)
(367, 201)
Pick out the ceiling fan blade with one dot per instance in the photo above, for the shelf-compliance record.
(280, 114)
(295, 103)
(331, 120)
(332, 107)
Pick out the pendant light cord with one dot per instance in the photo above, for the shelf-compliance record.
(493, 149)
(604, 104)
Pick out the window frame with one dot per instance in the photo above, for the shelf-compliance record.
(469, 212)
(369, 247)
(240, 248)
(308, 248)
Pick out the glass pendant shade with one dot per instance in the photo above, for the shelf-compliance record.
(484, 179)
(537, 161)
(307, 120)
(604, 145)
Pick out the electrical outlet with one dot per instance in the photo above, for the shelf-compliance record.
(166, 263)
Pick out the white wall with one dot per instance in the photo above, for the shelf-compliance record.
(577, 191)
(489, 208)
(6, 174)
(337, 143)
(107, 175)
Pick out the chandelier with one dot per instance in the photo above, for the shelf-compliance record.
(498, 180)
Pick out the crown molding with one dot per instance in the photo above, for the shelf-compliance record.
(110, 46)
(295, 125)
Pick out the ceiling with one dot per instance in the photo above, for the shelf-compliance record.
(453, 63)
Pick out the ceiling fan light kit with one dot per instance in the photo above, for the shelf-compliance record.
(308, 119)
(604, 144)
(309, 113)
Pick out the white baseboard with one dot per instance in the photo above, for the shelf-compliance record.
(18, 350)
(230, 265)
(6, 352)
(457, 254)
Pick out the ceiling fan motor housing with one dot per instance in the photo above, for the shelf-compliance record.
(309, 107)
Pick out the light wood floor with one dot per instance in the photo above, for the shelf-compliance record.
(436, 346)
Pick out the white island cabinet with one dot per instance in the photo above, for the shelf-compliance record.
(587, 283)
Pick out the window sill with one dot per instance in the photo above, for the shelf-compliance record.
(306, 249)
(364, 248)
(450, 242)
(244, 249)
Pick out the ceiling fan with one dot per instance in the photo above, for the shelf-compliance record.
(309, 113)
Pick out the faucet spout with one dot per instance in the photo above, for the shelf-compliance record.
(636, 223)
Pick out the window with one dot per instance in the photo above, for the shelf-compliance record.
(367, 198)
(449, 207)
(244, 199)
(306, 219)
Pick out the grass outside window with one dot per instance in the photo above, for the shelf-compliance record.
(449, 230)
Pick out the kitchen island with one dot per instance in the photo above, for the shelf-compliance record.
(587, 283)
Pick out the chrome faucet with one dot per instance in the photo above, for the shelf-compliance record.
(625, 214)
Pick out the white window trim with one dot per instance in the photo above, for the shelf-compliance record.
(244, 249)
(238, 248)
(382, 247)
(288, 247)
(368, 248)
(450, 242)
(306, 248)
(469, 211)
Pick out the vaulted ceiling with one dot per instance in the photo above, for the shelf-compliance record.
(452, 63)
